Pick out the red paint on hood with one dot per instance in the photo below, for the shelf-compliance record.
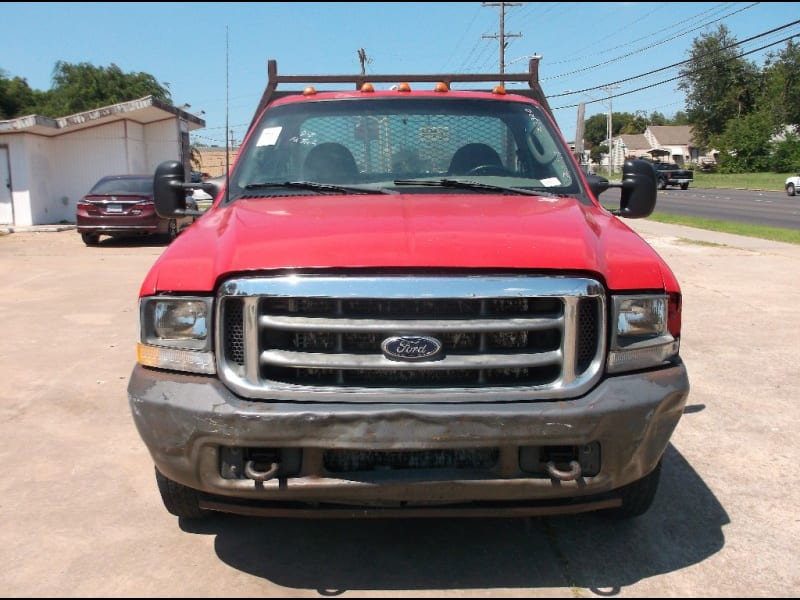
(407, 230)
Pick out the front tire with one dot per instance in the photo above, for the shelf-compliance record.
(172, 230)
(637, 497)
(180, 500)
(790, 191)
(684, 186)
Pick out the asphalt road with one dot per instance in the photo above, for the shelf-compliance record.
(774, 209)
(82, 516)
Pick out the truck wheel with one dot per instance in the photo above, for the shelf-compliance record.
(662, 183)
(637, 496)
(790, 191)
(180, 500)
(90, 239)
(684, 186)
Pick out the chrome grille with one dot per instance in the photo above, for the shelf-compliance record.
(319, 338)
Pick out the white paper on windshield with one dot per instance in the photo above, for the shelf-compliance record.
(551, 182)
(269, 136)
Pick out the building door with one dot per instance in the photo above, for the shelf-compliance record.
(6, 208)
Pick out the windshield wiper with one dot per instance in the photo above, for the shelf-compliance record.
(474, 185)
(317, 187)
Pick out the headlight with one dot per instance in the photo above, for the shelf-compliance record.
(640, 338)
(175, 333)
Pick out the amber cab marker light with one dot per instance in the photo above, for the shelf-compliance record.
(441, 87)
(499, 90)
(367, 88)
(309, 91)
(404, 87)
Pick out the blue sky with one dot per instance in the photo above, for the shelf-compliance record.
(582, 44)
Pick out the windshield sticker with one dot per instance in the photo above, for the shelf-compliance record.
(551, 182)
(269, 136)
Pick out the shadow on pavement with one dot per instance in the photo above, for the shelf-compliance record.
(684, 527)
(133, 241)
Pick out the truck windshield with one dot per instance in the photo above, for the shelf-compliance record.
(377, 141)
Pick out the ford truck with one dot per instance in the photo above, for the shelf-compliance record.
(406, 300)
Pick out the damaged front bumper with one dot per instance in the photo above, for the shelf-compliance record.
(199, 434)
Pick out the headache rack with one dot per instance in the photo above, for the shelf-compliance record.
(534, 90)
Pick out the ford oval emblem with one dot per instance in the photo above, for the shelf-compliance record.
(412, 348)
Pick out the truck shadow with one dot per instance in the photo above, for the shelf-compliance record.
(684, 527)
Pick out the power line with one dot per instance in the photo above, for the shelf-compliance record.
(704, 67)
(463, 36)
(678, 64)
(628, 43)
(650, 47)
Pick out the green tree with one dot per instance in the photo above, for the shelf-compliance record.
(679, 118)
(597, 152)
(83, 86)
(631, 123)
(719, 85)
(595, 128)
(657, 118)
(786, 154)
(745, 145)
(781, 91)
(16, 96)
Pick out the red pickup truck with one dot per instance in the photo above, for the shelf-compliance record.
(408, 301)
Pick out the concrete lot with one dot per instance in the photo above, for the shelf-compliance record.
(82, 515)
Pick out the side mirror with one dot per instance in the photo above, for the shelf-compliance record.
(169, 191)
(212, 188)
(597, 184)
(639, 190)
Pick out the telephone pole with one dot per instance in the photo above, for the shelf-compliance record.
(501, 36)
(364, 60)
(610, 89)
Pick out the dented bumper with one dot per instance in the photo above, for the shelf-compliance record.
(189, 423)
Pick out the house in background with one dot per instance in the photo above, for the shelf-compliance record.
(47, 165)
(629, 145)
(673, 143)
(668, 143)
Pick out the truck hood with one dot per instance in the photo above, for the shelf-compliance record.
(453, 231)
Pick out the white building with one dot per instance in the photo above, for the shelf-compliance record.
(47, 165)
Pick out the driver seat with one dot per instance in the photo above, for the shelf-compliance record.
(473, 155)
(330, 162)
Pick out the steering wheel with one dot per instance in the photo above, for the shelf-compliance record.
(487, 169)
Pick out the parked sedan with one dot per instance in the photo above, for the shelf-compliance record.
(122, 205)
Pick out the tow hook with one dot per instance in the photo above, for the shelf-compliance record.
(571, 475)
(252, 473)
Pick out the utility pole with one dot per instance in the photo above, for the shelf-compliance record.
(502, 35)
(579, 132)
(609, 126)
(364, 60)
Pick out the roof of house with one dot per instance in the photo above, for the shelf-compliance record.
(143, 110)
(672, 135)
(635, 141)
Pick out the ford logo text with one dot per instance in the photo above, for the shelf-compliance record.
(412, 348)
